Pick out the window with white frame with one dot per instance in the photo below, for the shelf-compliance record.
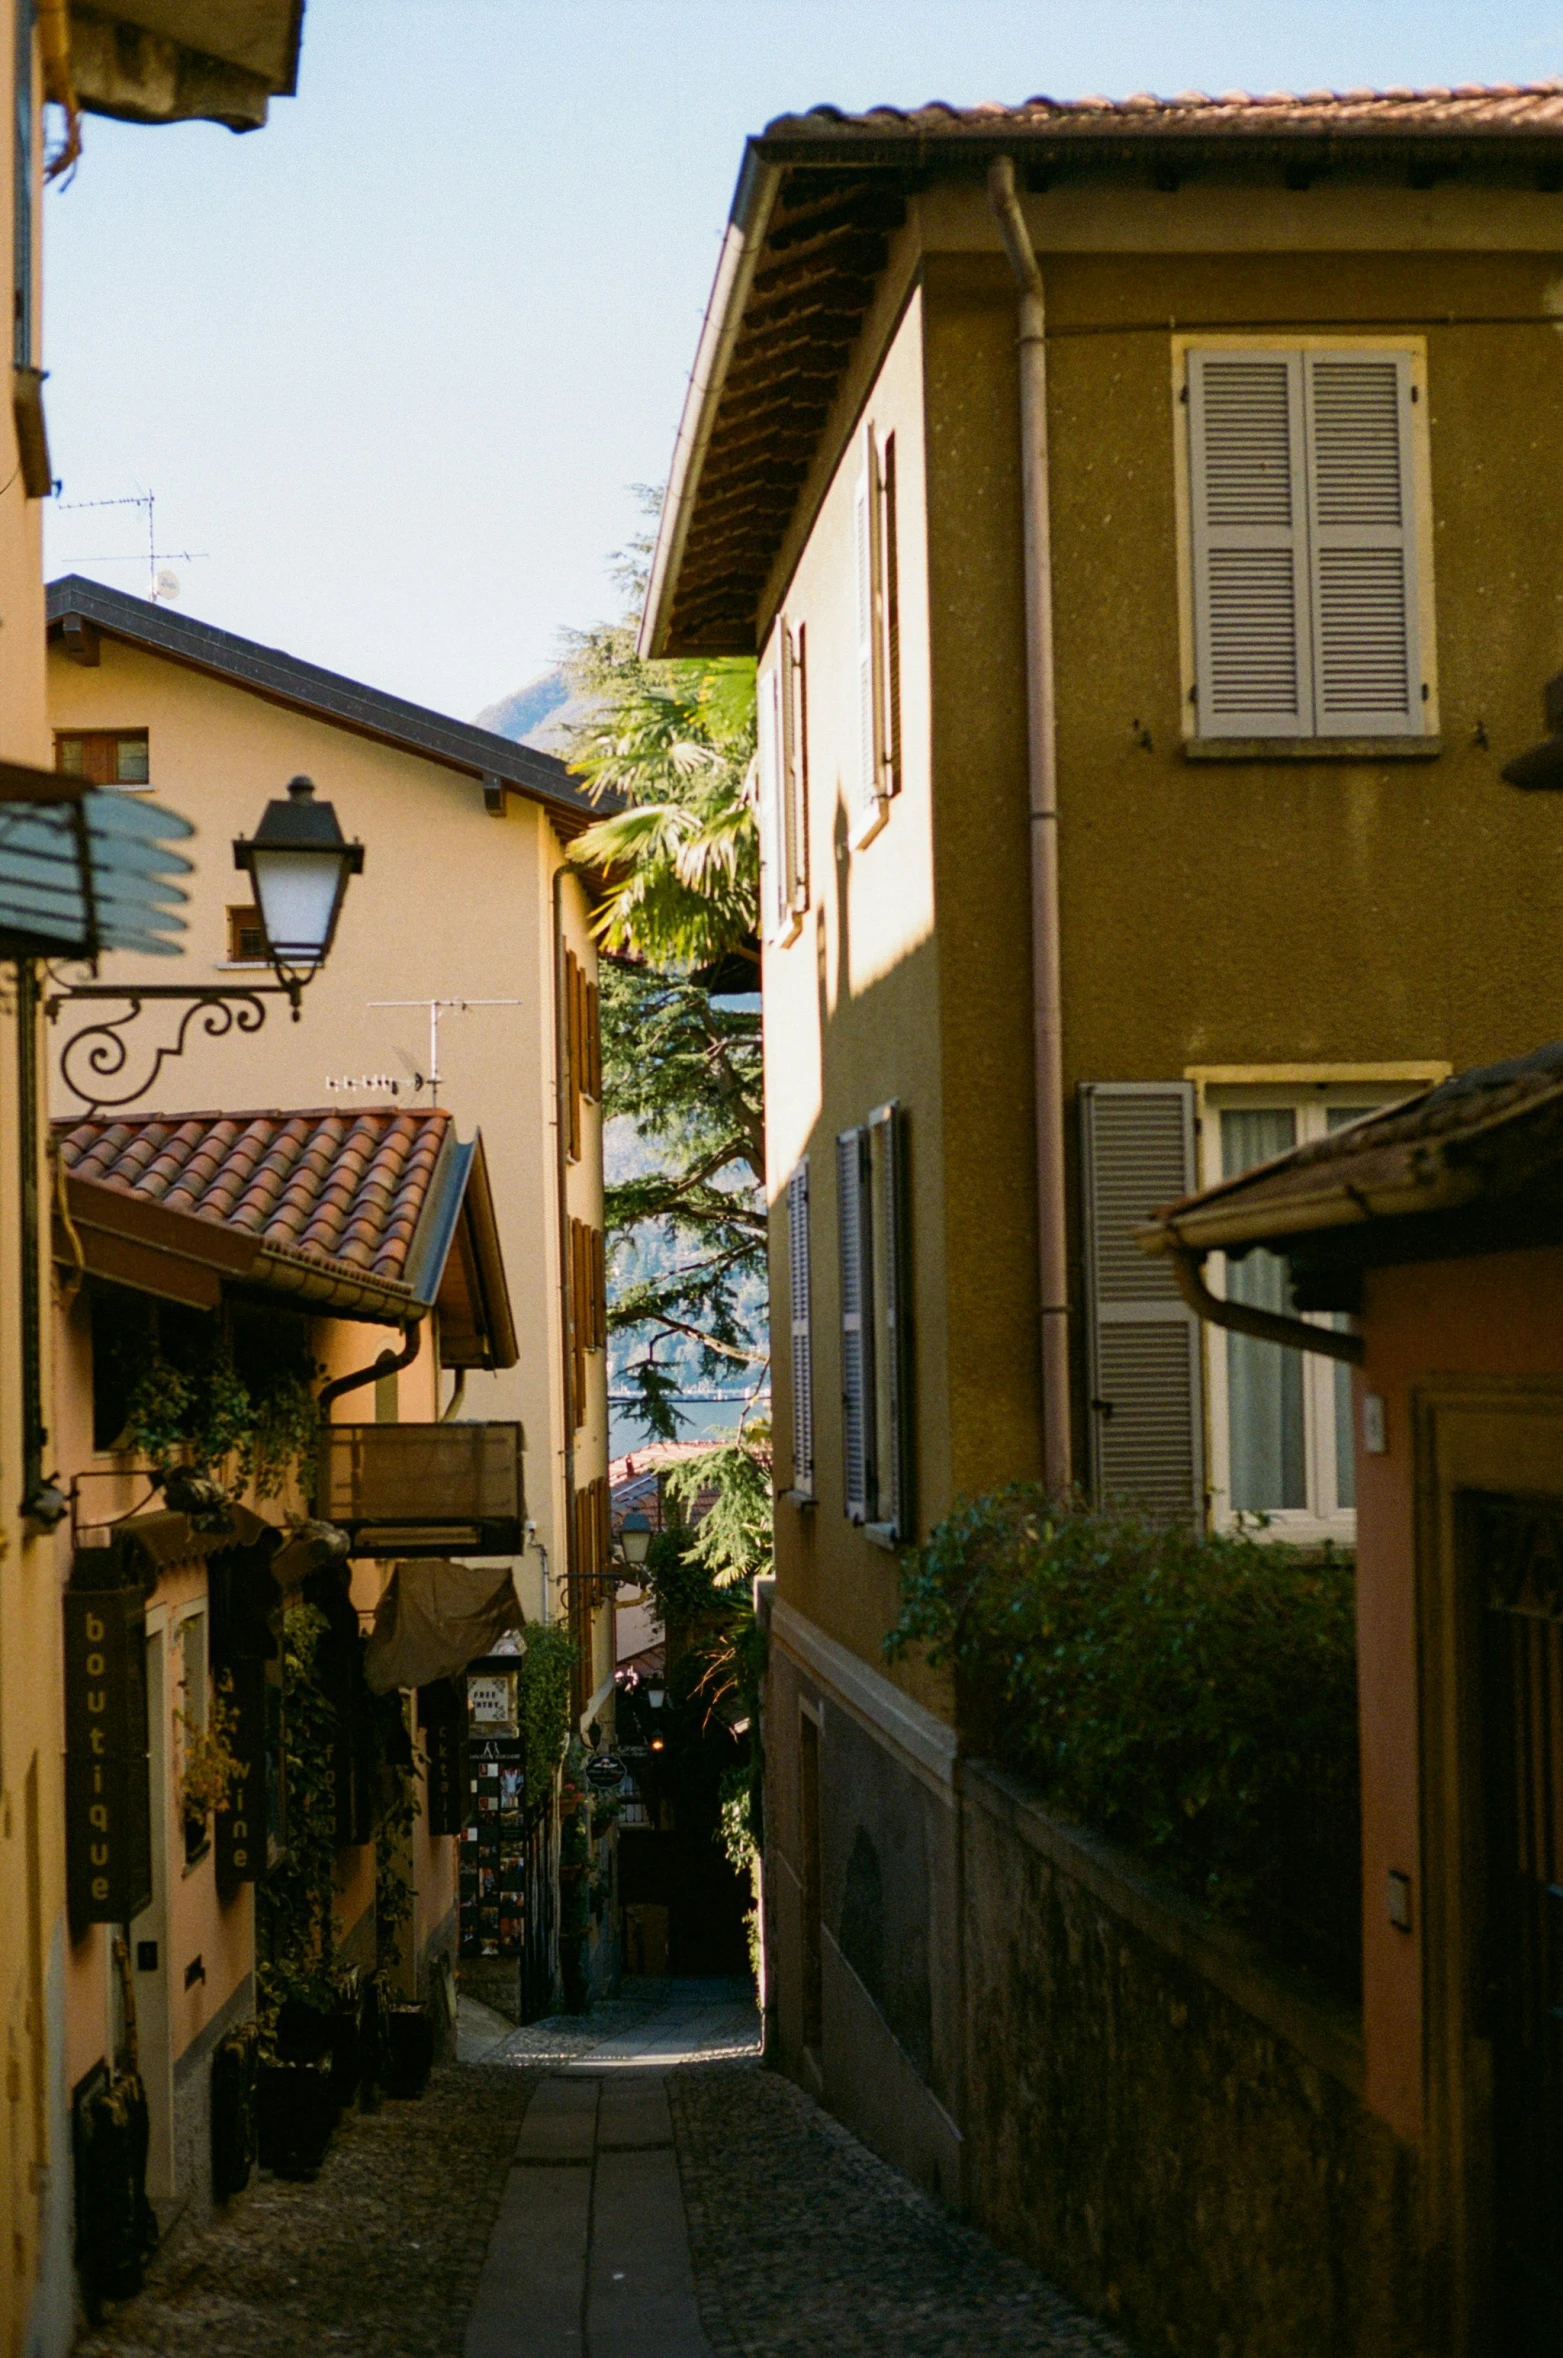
(877, 1419)
(1311, 589)
(1281, 1434)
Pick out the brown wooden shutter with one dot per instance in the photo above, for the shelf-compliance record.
(1146, 1425)
(795, 768)
(572, 1036)
(892, 571)
(580, 1314)
(594, 1043)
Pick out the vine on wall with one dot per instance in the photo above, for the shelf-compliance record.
(295, 1897)
(190, 1403)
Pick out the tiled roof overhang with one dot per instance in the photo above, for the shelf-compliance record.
(818, 198)
(1475, 1164)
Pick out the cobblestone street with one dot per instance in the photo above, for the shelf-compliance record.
(634, 2185)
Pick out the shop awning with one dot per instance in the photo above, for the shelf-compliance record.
(435, 1618)
(85, 869)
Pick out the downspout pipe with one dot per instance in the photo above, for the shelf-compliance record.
(1266, 1326)
(567, 1550)
(1042, 770)
(388, 1363)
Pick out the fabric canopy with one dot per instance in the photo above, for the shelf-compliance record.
(435, 1618)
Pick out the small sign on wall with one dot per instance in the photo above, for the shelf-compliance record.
(108, 1817)
(241, 1827)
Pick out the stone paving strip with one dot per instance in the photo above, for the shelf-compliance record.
(806, 2245)
(378, 2258)
(629, 2185)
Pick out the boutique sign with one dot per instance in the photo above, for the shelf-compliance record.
(108, 1822)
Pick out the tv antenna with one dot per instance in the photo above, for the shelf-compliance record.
(162, 582)
(438, 1007)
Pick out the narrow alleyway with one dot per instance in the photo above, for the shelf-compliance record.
(634, 2185)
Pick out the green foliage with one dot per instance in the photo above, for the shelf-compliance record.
(197, 1409)
(735, 1540)
(1192, 1698)
(544, 1702)
(681, 1027)
(297, 1942)
(400, 1809)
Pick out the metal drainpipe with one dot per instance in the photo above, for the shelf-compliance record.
(1042, 765)
(566, 1302)
(387, 1363)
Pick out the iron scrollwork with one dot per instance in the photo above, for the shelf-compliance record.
(96, 1057)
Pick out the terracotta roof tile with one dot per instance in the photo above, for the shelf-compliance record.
(348, 1188)
(1485, 107)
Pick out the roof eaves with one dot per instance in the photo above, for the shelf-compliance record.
(286, 679)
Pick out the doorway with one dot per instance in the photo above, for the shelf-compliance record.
(813, 1959)
(1515, 1552)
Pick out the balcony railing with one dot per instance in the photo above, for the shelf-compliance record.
(424, 1490)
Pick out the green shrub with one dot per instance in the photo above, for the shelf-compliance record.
(1193, 1699)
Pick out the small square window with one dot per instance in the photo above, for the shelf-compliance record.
(246, 939)
(104, 757)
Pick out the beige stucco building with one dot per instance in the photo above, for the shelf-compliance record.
(1137, 513)
(134, 59)
(466, 899)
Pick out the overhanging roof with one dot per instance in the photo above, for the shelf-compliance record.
(170, 61)
(817, 198)
(371, 1215)
(1473, 1164)
(90, 607)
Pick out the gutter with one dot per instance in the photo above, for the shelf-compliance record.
(1266, 1326)
(1042, 769)
(562, 1190)
(747, 228)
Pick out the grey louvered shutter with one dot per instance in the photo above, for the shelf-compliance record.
(857, 1343)
(896, 1503)
(768, 756)
(1367, 670)
(802, 1331)
(1250, 543)
(1147, 1429)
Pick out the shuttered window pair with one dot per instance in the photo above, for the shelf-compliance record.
(879, 1488)
(877, 619)
(1306, 619)
(800, 1307)
(783, 785)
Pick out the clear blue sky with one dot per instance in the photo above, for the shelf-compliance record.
(395, 361)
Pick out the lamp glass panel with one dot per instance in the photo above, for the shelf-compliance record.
(297, 893)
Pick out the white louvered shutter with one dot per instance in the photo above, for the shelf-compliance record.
(768, 753)
(802, 1333)
(856, 1334)
(794, 797)
(1250, 536)
(866, 569)
(1367, 673)
(1147, 1429)
(896, 1502)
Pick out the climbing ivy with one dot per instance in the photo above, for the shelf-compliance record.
(256, 1429)
(544, 1691)
(297, 1943)
(393, 1890)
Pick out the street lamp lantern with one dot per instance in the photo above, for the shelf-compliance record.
(298, 862)
(635, 1540)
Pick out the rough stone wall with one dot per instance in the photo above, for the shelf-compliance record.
(1166, 2130)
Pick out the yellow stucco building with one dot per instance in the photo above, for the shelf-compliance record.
(1145, 519)
(134, 59)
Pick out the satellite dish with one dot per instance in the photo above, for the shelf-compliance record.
(166, 585)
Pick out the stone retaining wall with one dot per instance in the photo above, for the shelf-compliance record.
(1162, 2121)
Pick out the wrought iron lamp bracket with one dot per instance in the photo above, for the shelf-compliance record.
(96, 1055)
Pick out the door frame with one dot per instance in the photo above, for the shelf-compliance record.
(1500, 1434)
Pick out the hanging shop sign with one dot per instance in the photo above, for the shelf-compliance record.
(108, 1802)
(241, 1827)
(442, 1717)
(493, 1846)
(604, 1772)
